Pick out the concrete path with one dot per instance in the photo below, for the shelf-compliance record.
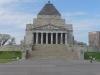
(50, 67)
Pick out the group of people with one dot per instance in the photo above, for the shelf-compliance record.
(91, 59)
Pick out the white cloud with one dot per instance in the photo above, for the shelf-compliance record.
(13, 32)
(86, 24)
(10, 1)
(82, 25)
(17, 20)
(6, 1)
(14, 22)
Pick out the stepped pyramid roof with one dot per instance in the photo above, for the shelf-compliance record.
(49, 9)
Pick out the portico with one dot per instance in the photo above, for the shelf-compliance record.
(49, 38)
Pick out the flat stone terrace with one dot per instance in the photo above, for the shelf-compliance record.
(50, 67)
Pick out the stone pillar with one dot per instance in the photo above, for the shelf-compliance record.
(36, 38)
(61, 38)
(66, 38)
(56, 38)
(33, 38)
(51, 38)
(41, 38)
(46, 38)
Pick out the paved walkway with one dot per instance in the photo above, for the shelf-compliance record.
(50, 67)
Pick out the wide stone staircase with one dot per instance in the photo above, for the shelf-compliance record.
(46, 51)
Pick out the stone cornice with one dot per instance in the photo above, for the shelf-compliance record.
(49, 27)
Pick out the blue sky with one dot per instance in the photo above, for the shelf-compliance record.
(83, 14)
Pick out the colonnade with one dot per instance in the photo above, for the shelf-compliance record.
(49, 38)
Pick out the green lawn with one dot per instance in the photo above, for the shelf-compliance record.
(98, 60)
(93, 54)
(10, 54)
(5, 60)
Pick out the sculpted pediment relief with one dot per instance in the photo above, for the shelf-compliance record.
(49, 27)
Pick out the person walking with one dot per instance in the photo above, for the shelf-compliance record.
(90, 59)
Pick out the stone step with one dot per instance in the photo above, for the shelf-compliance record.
(47, 51)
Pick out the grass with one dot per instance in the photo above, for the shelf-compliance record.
(10, 54)
(5, 60)
(98, 60)
(93, 54)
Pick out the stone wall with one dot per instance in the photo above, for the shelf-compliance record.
(83, 48)
(11, 47)
(93, 49)
(24, 49)
(49, 16)
(29, 37)
(69, 27)
(15, 47)
(81, 55)
(70, 37)
(49, 19)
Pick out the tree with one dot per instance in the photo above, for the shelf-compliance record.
(4, 38)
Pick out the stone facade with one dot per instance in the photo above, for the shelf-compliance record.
(49, 29)
(94, 38)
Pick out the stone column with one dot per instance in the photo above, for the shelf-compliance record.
(51, 38)
(33, 38)
(61, 38)
(66, 38)
(56, 38)
(36, 38)
(46, 38)
(41, 38)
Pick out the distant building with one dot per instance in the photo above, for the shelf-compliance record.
(94, 38)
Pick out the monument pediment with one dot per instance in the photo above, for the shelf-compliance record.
(49, 27)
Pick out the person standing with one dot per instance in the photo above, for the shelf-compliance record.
(90, 59)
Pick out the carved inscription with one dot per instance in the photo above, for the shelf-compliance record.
(49, 27)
